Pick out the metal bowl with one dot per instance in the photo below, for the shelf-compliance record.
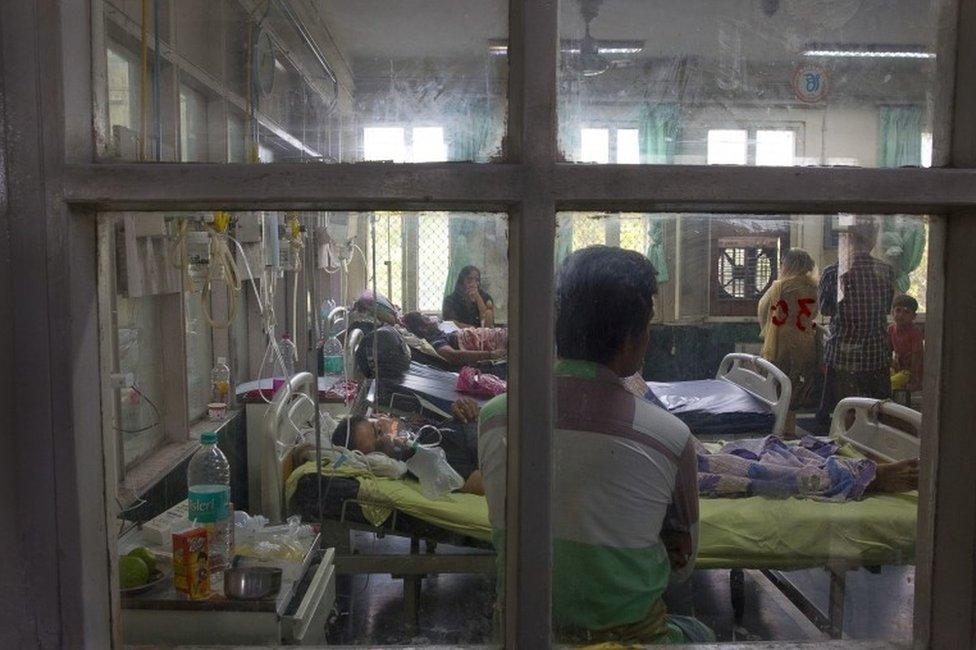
(252, 583)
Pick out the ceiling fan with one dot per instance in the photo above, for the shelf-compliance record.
(589, 56)
(590, 61)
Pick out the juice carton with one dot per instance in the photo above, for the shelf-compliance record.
(191, 568)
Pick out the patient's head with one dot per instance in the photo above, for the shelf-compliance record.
(418, 324)
(364, 434)
(604, 306)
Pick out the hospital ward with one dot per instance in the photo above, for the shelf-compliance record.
(489, 323)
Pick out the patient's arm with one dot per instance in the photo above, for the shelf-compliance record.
(895, 477)
(465, 410)
(467, 357)
(475, 484)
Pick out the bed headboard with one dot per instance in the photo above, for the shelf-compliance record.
(856, 421)
(291, 409)
(762, 380)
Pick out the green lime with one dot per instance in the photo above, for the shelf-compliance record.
(133, 572)
(145, 555)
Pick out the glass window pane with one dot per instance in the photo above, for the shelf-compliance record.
(726, 147)
(775, 148)
(139, 353)
(796, 320)
(854, 85)
(628, 147)
(308, 78)
(384, 143)
(181, 290)
(121, 85)
(193, 126)
(428, 144)
(385, 245)
(199, 357)
(434, 260)
(595, 145)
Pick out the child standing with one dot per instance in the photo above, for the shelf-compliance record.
(906, 340)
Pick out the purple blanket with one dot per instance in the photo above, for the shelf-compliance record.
(769, 467)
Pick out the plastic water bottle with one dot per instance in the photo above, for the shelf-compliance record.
(289, 354)
(332, 356)
(429, 465)
(208, 480)
(220, 381)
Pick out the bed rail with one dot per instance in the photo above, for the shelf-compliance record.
(761, 379)
(857, 421)
(292, 406)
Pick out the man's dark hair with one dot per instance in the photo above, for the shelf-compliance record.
(906, 301)
(864, 234)
(603, 296)
(346, 426)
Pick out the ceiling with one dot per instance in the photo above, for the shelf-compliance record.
(723, 29)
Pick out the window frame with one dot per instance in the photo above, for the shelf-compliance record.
(751, 130)
(64, 188)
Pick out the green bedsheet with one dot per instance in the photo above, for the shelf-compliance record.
(755, 533)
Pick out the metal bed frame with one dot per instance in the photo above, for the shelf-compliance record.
(856, 420)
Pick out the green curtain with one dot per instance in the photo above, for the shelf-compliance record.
(899, 145)
(472, 136)
(659, 135)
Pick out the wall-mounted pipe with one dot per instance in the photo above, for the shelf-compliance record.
(310, 43)
(158, 118)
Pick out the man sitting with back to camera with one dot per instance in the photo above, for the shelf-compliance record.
(624, 485)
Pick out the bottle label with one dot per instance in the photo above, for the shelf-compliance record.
(208, 503)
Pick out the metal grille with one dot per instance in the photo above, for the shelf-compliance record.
(633, 233)
(433, 260)
(588, 231)
(744, 273)
(389, 255)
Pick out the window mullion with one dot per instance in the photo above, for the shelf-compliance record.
(533, 40)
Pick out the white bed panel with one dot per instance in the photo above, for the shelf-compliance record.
(856, 422)
(762, 380)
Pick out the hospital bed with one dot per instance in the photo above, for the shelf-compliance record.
(746, 533)
(748, 395)
(421, 389)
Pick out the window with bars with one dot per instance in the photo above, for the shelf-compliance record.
(387, 249)
(625, 230)
(744, 261)
(433, 260)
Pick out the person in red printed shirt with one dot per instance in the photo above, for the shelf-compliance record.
(907, 340)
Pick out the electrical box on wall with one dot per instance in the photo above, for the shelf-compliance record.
(248, 228)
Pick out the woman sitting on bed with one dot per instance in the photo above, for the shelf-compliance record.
(459, 440)
(469, 305)
(462, 348)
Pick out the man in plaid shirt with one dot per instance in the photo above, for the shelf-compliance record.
(857, 298)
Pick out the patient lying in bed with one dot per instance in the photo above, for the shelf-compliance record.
(769, 467)
(812, 468)
(384, 435)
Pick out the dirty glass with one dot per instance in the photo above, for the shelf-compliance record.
(302, 80)
(402, 316)
(737, 422)
(777, 82)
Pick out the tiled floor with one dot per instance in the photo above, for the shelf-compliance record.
(457, 608)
